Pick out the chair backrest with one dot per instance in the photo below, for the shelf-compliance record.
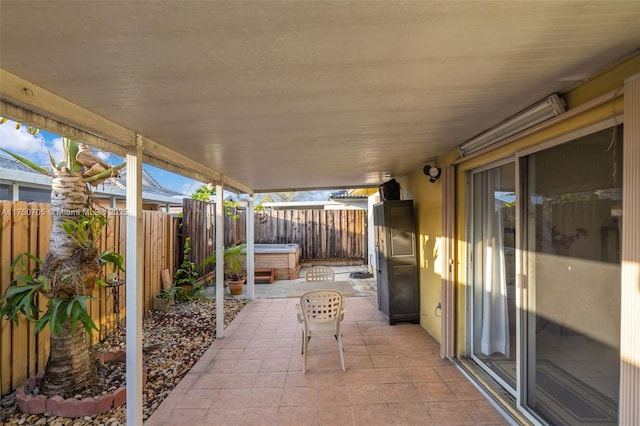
(321, 306)
(320, 273)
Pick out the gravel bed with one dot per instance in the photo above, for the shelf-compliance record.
(173, 342)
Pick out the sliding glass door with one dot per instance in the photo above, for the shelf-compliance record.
(554, 344)
(572, 245)
(493, 321)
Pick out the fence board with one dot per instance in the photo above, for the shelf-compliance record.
(44, 225)
(33, 248)
(6, 326)
(19, 336)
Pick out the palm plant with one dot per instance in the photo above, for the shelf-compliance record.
(235, 262)
(69, 272)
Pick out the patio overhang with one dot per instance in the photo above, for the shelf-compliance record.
(25, 102)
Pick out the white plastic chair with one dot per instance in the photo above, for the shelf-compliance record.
(320, 313)
(320, 273)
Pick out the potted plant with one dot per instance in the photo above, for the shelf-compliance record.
(235, 268)
(166, 298)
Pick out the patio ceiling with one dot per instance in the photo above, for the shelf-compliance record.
(301, 95)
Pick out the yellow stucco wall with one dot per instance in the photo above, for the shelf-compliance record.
(428, 198)
(427, 204)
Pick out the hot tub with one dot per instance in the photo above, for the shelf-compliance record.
(285, 258)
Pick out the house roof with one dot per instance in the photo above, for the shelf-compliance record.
(12, 171)
(281, 95)
(347, 196)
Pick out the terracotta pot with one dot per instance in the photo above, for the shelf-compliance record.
(235, 287)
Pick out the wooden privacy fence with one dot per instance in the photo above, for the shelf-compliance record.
(26, 228)
(322, 234)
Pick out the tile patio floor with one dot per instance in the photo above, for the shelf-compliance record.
(253, 376)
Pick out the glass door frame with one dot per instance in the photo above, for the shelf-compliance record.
(522, 273)
(470, 349)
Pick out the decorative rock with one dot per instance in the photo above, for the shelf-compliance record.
(181, 336)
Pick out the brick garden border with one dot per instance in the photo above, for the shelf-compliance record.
(73, 407)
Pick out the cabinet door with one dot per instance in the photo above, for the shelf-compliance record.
(381, 259)
(400, 226)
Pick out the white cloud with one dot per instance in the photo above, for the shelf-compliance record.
(19, 141)
(36, 148)
(189, 187)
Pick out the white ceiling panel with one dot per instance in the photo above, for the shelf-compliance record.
(311, 94)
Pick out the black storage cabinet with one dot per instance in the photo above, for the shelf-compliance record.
(397, 273)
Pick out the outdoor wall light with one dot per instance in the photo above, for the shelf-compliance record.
(432, 172)
(536, 114)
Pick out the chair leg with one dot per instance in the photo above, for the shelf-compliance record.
(304, 354)
(302, 341)
(339, 339)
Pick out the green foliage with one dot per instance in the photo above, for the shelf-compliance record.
(85, 232)
(190, 292)
(21, 299)
(234, 262)
(28, 163)
(231, 209)
(70, 149)
(186, 273)
(113, 259)
(60, 310)
(172, 293)
(86, 229)
(206, 192)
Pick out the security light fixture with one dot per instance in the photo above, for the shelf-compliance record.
(542, 111)
(432, 172)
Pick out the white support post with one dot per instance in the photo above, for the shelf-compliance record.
(134, 284)
(250, 249)
(629, 409)
(15, 192)
(219, 263)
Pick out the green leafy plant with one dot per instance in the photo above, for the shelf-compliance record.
(60, 310)
(20, 299)
(171, 294)
(206, 192)
(113, 259)
(187, 272)
(235, 262)
(85, 230)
